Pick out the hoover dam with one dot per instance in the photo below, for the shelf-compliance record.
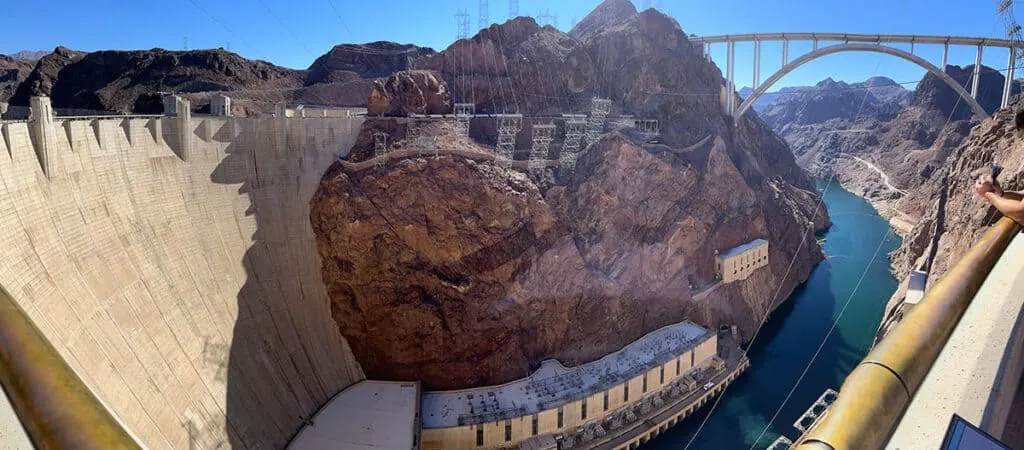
(170, 261)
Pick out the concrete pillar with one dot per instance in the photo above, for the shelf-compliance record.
(757, 64)
(220, 105)
(945, 56)
(42, 131)
(977, 73)
(183, 108)
(815, 45)
(1008, 83)
(730, 97)
(785, 52)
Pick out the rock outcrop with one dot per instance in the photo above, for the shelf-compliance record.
(462, 273)
(410, 92)
(13, 72)
(606, 14)
(955, 217)
(43, 77)
(347, 62)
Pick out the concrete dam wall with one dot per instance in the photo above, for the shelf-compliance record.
(171, 262)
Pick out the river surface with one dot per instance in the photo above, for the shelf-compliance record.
(856, 247)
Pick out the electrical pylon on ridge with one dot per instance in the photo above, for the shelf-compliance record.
(462, 24)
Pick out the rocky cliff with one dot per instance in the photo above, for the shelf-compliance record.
(955, 217)
(13, 72)
(462, 273)
(883, 150)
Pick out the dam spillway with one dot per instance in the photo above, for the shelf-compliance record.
(171, 262)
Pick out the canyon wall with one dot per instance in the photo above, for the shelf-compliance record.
(172, 264)
(460, 273)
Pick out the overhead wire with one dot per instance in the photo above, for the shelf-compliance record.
(848, 300)
(778, 291)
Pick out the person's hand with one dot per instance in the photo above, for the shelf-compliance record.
(984, 185)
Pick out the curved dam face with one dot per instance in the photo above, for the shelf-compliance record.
(171, 262)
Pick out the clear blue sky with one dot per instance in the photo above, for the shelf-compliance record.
(293, 33)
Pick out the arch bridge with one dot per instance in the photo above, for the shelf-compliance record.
(847, 42)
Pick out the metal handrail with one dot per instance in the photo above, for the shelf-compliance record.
(53, 405)
(878, 391)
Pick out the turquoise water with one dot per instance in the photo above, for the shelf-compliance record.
(793, 333)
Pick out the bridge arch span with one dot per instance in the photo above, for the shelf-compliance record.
(979, 111)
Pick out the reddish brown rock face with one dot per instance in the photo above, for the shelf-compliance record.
(410, 92)
(462, 274)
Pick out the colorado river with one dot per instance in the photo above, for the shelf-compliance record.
(793, 333)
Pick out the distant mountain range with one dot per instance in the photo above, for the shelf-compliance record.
(29, 55)
(882, 90)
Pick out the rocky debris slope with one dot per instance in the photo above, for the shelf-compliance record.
(907, 149)
(13, 72)
(955, 217)
(461, 273)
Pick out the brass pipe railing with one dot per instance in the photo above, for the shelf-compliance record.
(54, 406)
(878, 391)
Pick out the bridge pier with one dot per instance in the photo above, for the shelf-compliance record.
(785, 52)
(1008, 83)
(945, 56)
(977, 73)
(757, 64)
(730, 98)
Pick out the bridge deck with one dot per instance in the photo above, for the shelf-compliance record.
(854, 37)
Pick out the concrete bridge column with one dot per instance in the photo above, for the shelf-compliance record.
(785, 52)
(945, 56)
(1008, 83)
(977, 73)
(730, 90)
(757, 64)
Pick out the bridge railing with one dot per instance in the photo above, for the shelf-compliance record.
(878, 391)
(54, 406)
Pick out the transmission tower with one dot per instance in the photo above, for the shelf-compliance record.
(575, 124)
(380, 148)
(462, 21)
(484, 20)
(509, 126)
(463, 113)
(599, 109)
(544, 18)
(1013, 29)
(513, 9)
(542, 136)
